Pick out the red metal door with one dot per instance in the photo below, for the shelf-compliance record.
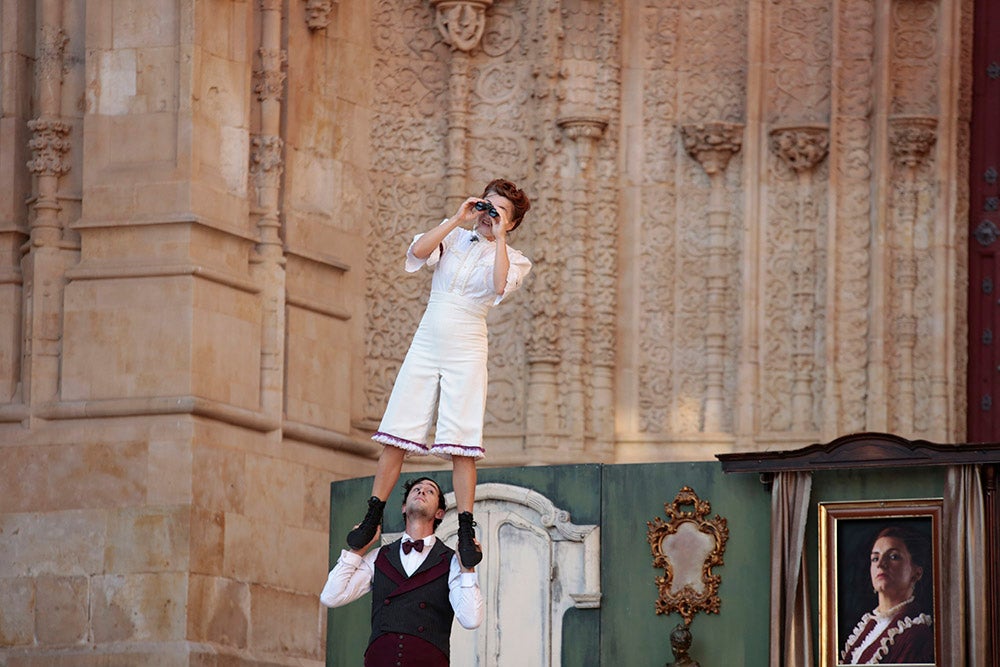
(984, 222)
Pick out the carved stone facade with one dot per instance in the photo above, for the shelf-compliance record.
(748, 232)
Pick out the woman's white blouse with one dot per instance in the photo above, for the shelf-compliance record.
(466, 267)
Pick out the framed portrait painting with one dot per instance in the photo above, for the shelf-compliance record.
(880, 582)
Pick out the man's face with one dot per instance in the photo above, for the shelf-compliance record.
(424, 496)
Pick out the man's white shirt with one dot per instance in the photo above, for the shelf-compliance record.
(352, 577)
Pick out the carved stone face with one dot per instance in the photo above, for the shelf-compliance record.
(318, 13)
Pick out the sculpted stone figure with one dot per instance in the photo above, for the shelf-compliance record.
(318, 13)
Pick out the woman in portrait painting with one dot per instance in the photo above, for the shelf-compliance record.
(900, 629)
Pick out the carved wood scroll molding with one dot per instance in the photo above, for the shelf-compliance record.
(687, 546)
(862, 450)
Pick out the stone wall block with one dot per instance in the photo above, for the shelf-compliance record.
(207, 541)
(166, 656)
(65, 543)
(17, 611)
(111, 201)
(283, 623)
(218, 482)
(309, 187)
(220, 127)
(148, 539)
(318, 389)
(65, 477)
(169, 472)
(140, 140)
(275, 490)
(145, 23)
(303, 558)
(10, 331)
(317, 500)
(165, 244)
(220, 249)
(149, 201)
(228, 372)
(115, 345)
(13, 153)
(61, 606)
(138, 607)
(156, 83)
(218, 611)
(251, 549)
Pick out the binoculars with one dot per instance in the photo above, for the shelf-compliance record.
(488, 207)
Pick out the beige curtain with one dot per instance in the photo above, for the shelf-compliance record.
(791, 628)
(963, 601)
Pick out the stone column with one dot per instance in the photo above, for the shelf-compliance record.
(583, 134)
(266, 168)
(44, 263)
(461, 24)
(712, 145)
(802, 148)
(911, 139)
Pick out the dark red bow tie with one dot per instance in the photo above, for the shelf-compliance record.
(410, 545)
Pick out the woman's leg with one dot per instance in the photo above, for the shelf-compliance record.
(463, 478)
(390, 462)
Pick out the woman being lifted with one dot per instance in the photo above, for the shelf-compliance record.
(474, 270)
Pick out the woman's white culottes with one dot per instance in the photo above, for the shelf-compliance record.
(445, 367)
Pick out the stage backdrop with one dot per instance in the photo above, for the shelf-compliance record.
(620, 499)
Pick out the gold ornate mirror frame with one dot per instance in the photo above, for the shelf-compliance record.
(687, 546)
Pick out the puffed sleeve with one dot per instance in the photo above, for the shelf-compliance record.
(414, 264)
(520, 266)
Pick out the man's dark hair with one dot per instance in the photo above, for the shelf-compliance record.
(411, 483)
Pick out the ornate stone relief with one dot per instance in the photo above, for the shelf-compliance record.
(801, 147)
(851, 162)
(659, 227)
(269, 79)
(798, 61)
(537, 108)
(712, 145)
(408, 160)
(913, 54)
(911, 140)
(266, 161)
(51, 145)
(50, 141)
(51, 54)
(461, 22)
(794, 298)
(916, 377)
(318, 13)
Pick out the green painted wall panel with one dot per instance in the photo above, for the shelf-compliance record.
(632, 634)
